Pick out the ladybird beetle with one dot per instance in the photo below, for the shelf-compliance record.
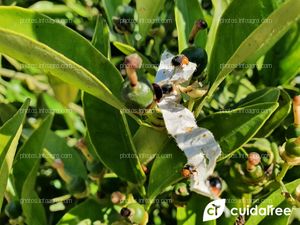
(159, 91)
(188, 170)
(180, 60)
(215, 185)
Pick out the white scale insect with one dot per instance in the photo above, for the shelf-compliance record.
(198, 144)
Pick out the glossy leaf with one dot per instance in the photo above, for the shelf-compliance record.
(147, 11)
(284, 58)
(166, 169)
(283, 110)
(111, 137)
(250, 41)
(192, 213)
(9, 136)
(186, 13)
(63, 61)
(149, 142)
(278, 220)
(101, 37)
(25, 171)
(57, 147)
(89, 210)
(6, 112)
(260, 96)
(276, 198)
(234, 128)
(63, 92)
(103, 137)
(225, 45)
(219, 8)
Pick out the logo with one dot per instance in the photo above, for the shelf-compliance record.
(214, 210)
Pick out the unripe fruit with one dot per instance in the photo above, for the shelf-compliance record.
(135, 213)
(13, 209)
(292, 147)
(180, 194)
(198, 56)
(181, 189)
(139, 96)
(77, 185)
(290, 151)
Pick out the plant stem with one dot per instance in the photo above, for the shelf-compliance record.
(191, 104)
(282, 173)
(286, 193)
(199, 107)
(23, 77)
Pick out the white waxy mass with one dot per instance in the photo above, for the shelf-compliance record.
(198, 144)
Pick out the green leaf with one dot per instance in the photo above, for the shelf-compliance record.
(112, 125)
(59, 58)
(101, 37)
(248, 41)
(6, 112)
(9, 136)
(278, 220)
(147, 11)
(63, 92)
(285, 105)
(234, 128)
(186, 13)
(91, 210)
(219, 8)
(284, 58)
(235, 32)
(25, 170)
(276, 198)
(111, 137)
(166, 169)
(47, 103)
(57, 148)
(260, 96)
(192, 213)
(149, 142)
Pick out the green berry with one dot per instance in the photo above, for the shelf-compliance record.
(292, 147)
(181, 189)
(139, 96)
(135, 213)
(77, 185)
(13, 209)
(198, 56)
